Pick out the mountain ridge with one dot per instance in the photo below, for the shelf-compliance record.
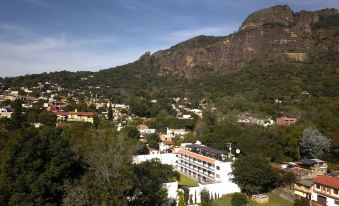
(274, 34)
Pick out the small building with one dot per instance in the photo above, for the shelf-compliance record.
(165, 147)
(144, 130)
(56, 108)
(285, 121)
(325, 191)
(261, 198)
(315, 166)
(171, 133)
(303, 188)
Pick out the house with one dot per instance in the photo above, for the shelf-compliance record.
(198, 112)
(55, 108)
(5, 114)
(246, 118)
(75, 116)
(315, 166)
(285, 121)
(306, 168)
(186, 116)
(171, 133)
(303, 188)
(325, 191)
(144, 130)
(165, 147)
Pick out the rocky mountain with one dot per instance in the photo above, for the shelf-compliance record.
(275, 34)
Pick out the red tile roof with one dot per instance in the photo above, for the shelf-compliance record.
(75, 113)
(198, 156)
(328, 181)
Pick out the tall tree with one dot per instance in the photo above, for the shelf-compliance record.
(148, 179)
(36, 167)
(239, 199)
(313, 144)
(108, 157)
(110, 112)
(253, 173)
(16, 118)
(205, 198)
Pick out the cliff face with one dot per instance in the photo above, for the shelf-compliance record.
(275, 34)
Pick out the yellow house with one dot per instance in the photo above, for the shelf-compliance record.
(75, 116)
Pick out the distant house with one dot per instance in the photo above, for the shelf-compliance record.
(285, 121)
(6, 115)
(306, 168)
(315, 166)
(165, 147)
(171, 133)
(55, 108)
(198, 112)
(246, 118)
(325, 191)
(144, 130)
(75, 116)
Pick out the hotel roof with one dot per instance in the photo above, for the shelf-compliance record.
(206, 149)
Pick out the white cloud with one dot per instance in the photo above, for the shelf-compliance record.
(181, 35)
(60, 53)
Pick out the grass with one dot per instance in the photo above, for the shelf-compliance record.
(187, 181)
(274, 200)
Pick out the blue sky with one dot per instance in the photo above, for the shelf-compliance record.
(49, 35)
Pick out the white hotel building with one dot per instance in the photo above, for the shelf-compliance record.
(203, 163)
(211, 167)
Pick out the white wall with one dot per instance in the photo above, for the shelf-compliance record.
(168, 159)
(172, 189)
(226, 186)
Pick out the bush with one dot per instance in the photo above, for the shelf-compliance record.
(301, 202)
(239, 199)
(205, 198)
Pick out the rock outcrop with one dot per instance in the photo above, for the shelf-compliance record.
(274, 34)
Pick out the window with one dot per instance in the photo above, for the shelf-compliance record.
(336, 202)
(335, 191)
(218, 176)
(218, 168)
(318, 186)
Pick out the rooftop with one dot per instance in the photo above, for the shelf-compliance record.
(307, 183)
(310, 162)
(205, 148)
(328, 181)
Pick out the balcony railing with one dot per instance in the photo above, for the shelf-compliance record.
(197, 162)
(206, 174)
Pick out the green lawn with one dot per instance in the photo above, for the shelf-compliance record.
(187, 181)
(275, 200)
